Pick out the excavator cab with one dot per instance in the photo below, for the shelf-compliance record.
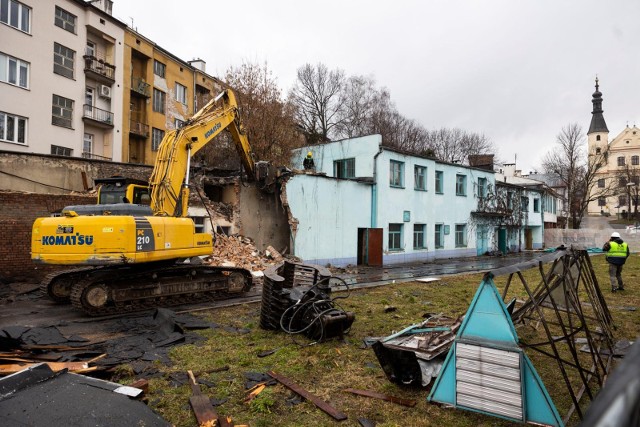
(119, 189)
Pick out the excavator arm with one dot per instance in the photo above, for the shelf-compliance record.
(170, 177)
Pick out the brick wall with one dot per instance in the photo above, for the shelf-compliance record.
(18, 211)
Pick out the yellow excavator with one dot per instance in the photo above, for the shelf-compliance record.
(130, 257)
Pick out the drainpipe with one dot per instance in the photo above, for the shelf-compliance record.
(542, 206)
(374, 190)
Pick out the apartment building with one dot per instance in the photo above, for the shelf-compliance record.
(60, 77)
(161, 92)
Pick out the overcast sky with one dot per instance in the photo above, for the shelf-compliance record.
(514, 70)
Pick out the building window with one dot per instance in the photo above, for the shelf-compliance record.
(439, 236)
(536, 205)
(598, 150)
(461, 185)
(158, 101)
(62, 111)
(15, 14)
(597, 137)
(65, 20)
(90, 49)
(198, 222)
(622, 181)
(621, 161)
(461, 235)
(420, 178)
(482, 188)
(510, 200)
(159, 68)
(181, 93)
(345, 168)
(601, 183)
(622, 200)
(156, 138)
(635, 160)
(602, 201)
(439, 182)
(419, 231)
(87, 144)
(63, 58)
(524, 203)
(395, 237)
(179, 123)
(61, 151)
(396, 173)
(14, 71)
(13, 128)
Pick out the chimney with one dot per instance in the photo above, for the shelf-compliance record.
(482, 161)
(199, 64)
(104, 5)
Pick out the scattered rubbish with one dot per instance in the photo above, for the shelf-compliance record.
(327, 408)
(201, 405)
(254, 391)
(266, 353)
(38, 396)
(485, 369)
(390, 309)
(414, 355)
(294, 399)
(297, 299)
(373, 394)
(427, 279)
(620, 348)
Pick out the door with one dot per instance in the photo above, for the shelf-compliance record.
(370, 247)
(528, 239)
(482, 240)
(502, 240)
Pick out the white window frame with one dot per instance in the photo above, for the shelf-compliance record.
(461, 235)
(87, 142)
(439, 187)
(11, 71)
(395, 237)
(65, 20)
(396, 174)
(91, 48)
(420, 177)
(13, 136)
(157, 135)
(159, 68)
(159, 101)
(438, 236)
(20, 19)
(58, 150)
(419, 236)
(181, 93)
(461, 184)
(344, 168)
(64, 58)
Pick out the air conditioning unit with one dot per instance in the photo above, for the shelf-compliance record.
(105, 91)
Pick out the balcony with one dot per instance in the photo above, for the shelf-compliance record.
(99, 69)
(97, 116)
(140, 87)
(138, 129)
(92, 156)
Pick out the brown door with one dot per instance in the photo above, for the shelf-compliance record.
(528, 239)
(370, 246)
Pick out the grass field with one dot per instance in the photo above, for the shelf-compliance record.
(326, 369)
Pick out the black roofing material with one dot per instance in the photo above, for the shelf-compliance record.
(39, 397)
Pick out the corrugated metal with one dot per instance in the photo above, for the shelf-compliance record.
(488, 380)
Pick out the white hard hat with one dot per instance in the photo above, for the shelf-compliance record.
(615, 234)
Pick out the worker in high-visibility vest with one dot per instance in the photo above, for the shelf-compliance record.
(617, 252)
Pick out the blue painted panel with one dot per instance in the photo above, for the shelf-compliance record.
(444, 389)
(539, 407)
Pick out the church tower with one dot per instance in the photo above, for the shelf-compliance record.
(598, 135)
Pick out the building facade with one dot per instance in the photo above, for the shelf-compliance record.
(368, 203)
(60, 70)
(161, 92)
(618, 177)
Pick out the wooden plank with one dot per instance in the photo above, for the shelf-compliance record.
(201, 405)
(337, 415)
(375, 395)
(77, 367)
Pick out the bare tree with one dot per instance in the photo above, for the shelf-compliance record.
(267, 118)
(316, 96)
(579, 172)
(357, 99)
(456, 145)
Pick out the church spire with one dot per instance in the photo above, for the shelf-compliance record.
(597, 119)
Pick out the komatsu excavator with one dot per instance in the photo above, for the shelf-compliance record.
(130, 257)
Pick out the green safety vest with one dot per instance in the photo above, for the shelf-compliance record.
(617, 250)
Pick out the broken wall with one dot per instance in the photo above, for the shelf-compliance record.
(328, 213)
(40, 173)
(18, 212)
(262, 217)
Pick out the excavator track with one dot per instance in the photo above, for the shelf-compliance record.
(57, 285)
(117, 290)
